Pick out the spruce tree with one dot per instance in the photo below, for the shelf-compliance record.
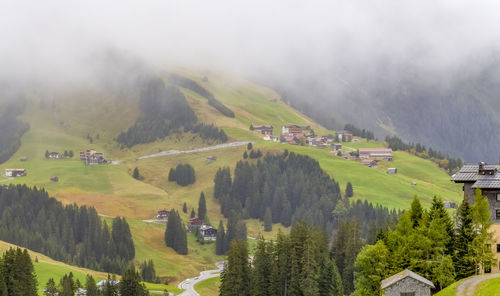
(184, 208)
(464, 254)
(416, 212)
(90, 286)
(171, 175)
(220, 240)
(268, 220)
(249, 146)
(202, 207)
(135, 174)
(193, 214)
(50, 288)
(245, 155)
(349, 192)
(130, 284)
(261, 273)
(235, 278)
(329, 281)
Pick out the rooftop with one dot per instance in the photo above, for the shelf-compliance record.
(471, 174)
(404, 274)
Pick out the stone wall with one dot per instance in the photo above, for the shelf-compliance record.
(408, 284)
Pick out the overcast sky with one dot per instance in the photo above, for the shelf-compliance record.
(56, 38)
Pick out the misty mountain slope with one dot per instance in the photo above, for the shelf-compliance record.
(456, 111)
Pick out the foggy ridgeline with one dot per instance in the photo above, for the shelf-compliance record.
(454, 111)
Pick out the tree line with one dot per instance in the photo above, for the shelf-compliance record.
(297, 264)
(430, 243)
(17, 275)
(164, 110)
(183, 174)
(192, 85)
(443, 160)
(176, 233)
(292, 186)
(12, 128)
(236, 229)
(357, 132)
(72, 234)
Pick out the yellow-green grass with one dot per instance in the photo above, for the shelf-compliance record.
(450, 290)
(208, 287)
(488, 288)
(149, 244)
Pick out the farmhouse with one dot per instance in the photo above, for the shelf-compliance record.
(208, 232)
(54, 179)
(194, 223)
(291, 129)
(336, 146)
(100, 285)
(211, 159)
(449, 204)
(328, 138)
(407, 283)
(344, 136)
(392, 171)
(487, 178)
(264, 129)
(15, 172)
(91, 156)
(376, 153)
(55, 155)
(163, 214)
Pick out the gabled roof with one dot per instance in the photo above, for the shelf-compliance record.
(470, 173)
(404, 274)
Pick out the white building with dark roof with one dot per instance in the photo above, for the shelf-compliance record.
(407, 283)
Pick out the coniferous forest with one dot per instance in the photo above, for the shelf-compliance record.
(17, 275)
(75, 235)
(11, 128)
(164, 110)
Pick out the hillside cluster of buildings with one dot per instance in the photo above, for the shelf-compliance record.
(207, 232)
(91, 157)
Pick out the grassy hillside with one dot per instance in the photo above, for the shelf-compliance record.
(47, 268)
(208, 287)
(67, 123)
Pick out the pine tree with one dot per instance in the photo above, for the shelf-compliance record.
(235, 278)
(90, 286)
(416, 211)
(268, 220)
(245, 155)
(329, 281)
(171, 175)
(130, 284)
(193, 214)
(261, 273)
(348, 190)
(46, 153)
(464, 255)
(249, 146)
(50, 288)
(220, 240)
(202, 207)
(184, 208)
(135, 174)
(175, 233)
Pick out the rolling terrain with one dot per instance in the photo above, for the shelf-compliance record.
(86, 119)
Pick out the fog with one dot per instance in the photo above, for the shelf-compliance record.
(55, 38)
(324, 52)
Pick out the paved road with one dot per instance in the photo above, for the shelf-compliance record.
(467, 287)
(172, 152)
(188, 285)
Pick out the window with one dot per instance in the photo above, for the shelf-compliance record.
(498, 197)
(407, 294)
(498, 214)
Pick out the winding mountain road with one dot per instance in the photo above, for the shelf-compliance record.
(172, 152)
(188, 285)
(468, 286)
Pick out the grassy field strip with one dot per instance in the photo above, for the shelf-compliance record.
(173, 152)
(209, 287)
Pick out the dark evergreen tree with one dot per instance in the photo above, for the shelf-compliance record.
(50, 288)
(329, 281)
(245, 155)
(193, 214)
(148, 272)
(136, 174)
(262, 268)
(184, 208)
(220, 248)
(416, 212)
(202, 207)
(235, 278)
(175, 233)
(130, 284)
(463, 258)
(268, 220)
(171, 175)
(249, 146)
(90, 286)
(348, 190)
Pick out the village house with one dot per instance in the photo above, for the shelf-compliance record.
(15, 172)
(211, 159)
(291, 129)
(91, 157)
(208, 232)
(407, 283)
(264, 129)
(55, 155)
(449, 204)
(376, 153)
(487, 178)
(369, 163)
(194, 223)
(24, 158)
(392, 171)
(293, 139)
(328, 138)
(100, 285)
(163, 214)
(54, 179)
(344, 136)
(336, 146)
